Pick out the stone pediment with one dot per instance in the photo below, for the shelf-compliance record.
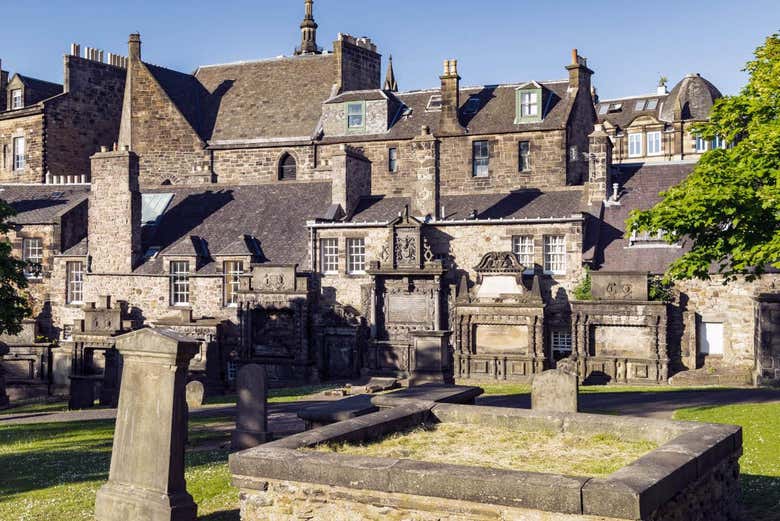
(504, 262)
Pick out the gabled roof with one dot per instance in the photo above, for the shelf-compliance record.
(274, 215)
(628, 109)
(186, 92)
(641, 186)
(279, 98)
(42, 204)
(39, 90)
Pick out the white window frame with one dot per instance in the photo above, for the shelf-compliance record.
(392, 159)
(529, 104)
(18, 151)
(523, 246)
(480, 164)
(180, 283)
(74, 282)
(700, 145)
(356, 256)
(655, 144)
(718, 142)
(32, 253)
(635, 145)
(560, 341)
(360, 113)
(555, 254)
(232, 270)
(17, 99)
(329, 256)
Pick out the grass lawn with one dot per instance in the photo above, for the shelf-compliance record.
(760, 464)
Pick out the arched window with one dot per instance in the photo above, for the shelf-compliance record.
(287, 168)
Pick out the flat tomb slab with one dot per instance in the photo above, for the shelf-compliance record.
(504, 448)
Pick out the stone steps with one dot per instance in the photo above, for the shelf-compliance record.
(713, 376)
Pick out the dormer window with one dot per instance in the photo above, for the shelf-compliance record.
(471, 106)
(529, 101)
(434, 103)
(356, 116)
(17, 99)
(603, 109)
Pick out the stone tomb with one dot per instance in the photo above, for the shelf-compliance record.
(556, 390)
(693, 474)
(252, 414)
(146, 480)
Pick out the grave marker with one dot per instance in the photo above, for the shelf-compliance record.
(252, 415)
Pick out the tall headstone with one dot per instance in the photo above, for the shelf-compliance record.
(556, 390)
(146, 480)
(431, 358)
(195, 393)
(4, 401)
(252, 416)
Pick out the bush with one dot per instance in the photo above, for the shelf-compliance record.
(582, 291)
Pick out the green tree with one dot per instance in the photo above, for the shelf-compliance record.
(14, 305)
(728, 208)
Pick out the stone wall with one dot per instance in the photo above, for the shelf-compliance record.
(38, 289)
(29, 124)
(334, 118)
(85, 119)
(359, 66)
(242, 166)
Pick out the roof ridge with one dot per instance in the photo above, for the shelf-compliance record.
(281, 57)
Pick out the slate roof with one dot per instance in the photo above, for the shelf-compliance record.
(279, 98)
(628, 112)
(274, 214)
(695, 96)
(77, 250)
(40, 89)
(521, 204)
(42, 204)
(641, 186)
(186, 92)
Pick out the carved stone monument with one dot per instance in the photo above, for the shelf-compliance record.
(556, 390)
(252, 416)
(195, 393)
(146, 480)
(3, 396)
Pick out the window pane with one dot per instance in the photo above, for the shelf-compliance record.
(524, 154)
(523, 247)
(74, 274)
(392, 159)
(640, 105)
(654, 143)
(329, 252)
(18, 153)
(32, 255)
(561, 342)
(555, 254)
(634, 145)
(232, 271)
(355, 115)
(481, 159)
(356, 255)
(180, 283)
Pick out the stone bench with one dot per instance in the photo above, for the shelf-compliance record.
(325, 414)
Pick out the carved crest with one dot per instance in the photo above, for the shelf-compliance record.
(500, 262)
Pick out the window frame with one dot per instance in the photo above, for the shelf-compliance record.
(14, 99)
(634, 135)
(179, 283)
(74, 282)
(329, 256)
(392, 159)
(18, 157)
(534, 115)
(524, 165)
(701, 145)
(31, 259)
(355, 128)
(231, 282)
(527, 257)
(551, 266)
(356, 260)
(480, 162)
(285, 168)
(650, 137)
(558, 338)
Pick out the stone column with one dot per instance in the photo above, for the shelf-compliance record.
(4, 401)
(146, 481)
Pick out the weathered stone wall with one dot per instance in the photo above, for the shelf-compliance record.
(359, 66)
(38, 289)
(241, 166)
(85, 119)
(29, 124)
(334, 119)
(351, 173)
(548, 163)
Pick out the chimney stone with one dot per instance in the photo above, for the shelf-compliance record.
(449, 120)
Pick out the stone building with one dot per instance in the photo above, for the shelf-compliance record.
(300, 213)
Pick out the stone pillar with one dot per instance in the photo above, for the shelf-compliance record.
(425, 201)
(599, 170)
(431, 358)
(252, 415)
(146, 481)
(4, 401)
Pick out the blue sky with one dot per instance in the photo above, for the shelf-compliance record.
(628, 44)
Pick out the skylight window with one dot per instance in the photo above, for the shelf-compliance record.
(651, 104)
(616, 107)
(472, 105)
(434, 103)
(151, 253)
(603, 109)
(640, 105)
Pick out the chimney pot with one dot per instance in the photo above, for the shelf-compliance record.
(574, 57)
(134, 46)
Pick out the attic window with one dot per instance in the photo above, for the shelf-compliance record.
(17, 99)
(434, 103)
(651, 104)
(356, 116)
(472, 105)
(640, 105)
(528, 105)
(603, 109)
(151, 253)
(615, 107)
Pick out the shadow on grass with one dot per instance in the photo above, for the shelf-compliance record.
(225, 515)
(760, 497)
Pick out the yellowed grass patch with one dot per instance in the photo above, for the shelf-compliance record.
(504, 448)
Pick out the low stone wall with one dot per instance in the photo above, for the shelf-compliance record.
(693, 475)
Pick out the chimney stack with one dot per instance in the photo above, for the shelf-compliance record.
(449, 121)
(134, 47)
(3, 88)
(600, 168)
(579, 73)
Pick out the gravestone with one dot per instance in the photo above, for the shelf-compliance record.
(4, 401)
(195, 392)
(146, 480)
(82, 391)
(431, 358)
(556, 390)
(252, 415)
